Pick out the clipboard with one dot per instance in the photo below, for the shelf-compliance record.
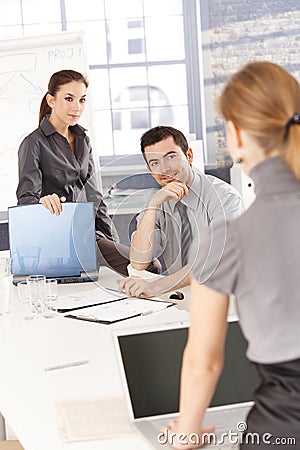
(92, 297)
(61, 310)
(119, 310)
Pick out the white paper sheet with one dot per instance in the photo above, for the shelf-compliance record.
(87, 298)
(85, 420)
(120, 310)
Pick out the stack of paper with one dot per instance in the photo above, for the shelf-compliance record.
(87, 298)
(104, 306)
(93, 419)
(119, 310)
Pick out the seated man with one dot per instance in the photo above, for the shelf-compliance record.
(171, 224)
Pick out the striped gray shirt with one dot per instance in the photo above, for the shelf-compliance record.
(210, 200)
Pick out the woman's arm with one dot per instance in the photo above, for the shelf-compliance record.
(103, 222)
(202, 361)
(30, 176)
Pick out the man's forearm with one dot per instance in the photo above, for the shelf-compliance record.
(176, 280)
(141, 250)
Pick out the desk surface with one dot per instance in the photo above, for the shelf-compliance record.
(28, 394)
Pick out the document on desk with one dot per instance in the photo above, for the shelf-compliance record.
(85, 420)
(83, 299)
(122, 309)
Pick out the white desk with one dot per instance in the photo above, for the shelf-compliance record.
(28, 395)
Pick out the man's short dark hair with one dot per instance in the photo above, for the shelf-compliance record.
(160, 133)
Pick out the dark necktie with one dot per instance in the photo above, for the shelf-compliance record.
(186, 232)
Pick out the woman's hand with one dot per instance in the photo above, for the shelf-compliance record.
(53, 203)
(175, 436)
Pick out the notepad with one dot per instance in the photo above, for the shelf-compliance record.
(85, 420)
(118, 310)
(91, 297)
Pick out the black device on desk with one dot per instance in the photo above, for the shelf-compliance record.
(177, 295)
(61, 247)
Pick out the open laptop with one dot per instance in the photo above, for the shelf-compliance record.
(61, 247)
(150, 364)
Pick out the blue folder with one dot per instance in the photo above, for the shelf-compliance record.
(61, 247)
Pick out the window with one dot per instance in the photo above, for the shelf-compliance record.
(140, 68)
(140, 63)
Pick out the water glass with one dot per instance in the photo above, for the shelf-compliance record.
(23, 293)
(50, 300)
(37, 293)
(5, 285)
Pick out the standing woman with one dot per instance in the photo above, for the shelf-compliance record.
(56, 163)
(259, 261)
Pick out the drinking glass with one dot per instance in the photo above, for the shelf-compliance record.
(5, 285)
(37, 293)
(23, 293)
(50, 300)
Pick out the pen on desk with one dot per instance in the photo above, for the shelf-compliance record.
(115, 290)
(146, 313)
(83, 317)
(64, 366)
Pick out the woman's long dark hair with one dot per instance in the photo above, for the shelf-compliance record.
(57, 80)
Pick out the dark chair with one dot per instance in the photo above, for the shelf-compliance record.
(222, 172)
(137, 181)
(4, 236)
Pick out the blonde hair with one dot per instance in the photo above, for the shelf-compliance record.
(261, 99)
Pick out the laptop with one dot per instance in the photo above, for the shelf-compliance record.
(61, 247)
(150, 364)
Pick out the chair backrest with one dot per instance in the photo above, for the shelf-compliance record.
(137, 181)
(220, 172)
(4, 237)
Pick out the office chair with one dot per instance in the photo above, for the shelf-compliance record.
(220, 172)
(4, 237)
(142, 180)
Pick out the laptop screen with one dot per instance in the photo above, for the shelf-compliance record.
(55, 246)
(152, 364)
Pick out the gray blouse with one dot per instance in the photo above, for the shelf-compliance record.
(48, 165)
(257, 257)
